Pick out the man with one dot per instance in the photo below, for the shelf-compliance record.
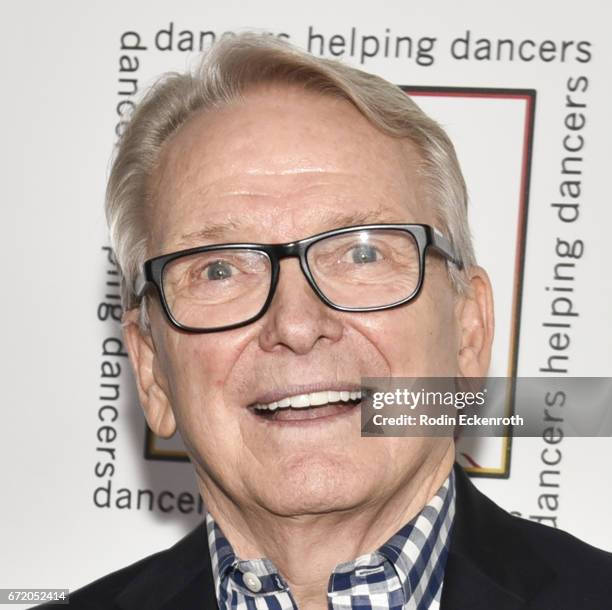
(287, 226)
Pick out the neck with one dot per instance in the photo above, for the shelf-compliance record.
(306, 548)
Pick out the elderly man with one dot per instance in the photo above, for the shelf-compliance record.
(287, 226)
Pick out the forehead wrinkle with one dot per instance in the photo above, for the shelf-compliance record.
(328, 219)
(257, 182)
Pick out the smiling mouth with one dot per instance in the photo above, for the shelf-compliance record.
(313, 405)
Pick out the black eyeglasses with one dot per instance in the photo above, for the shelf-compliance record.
(354, 269)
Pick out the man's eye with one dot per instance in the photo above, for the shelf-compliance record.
(364, 253)
(218, 270)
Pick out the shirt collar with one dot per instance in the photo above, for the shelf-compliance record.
(414, 558)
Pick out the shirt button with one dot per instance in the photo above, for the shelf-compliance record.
(252, 582)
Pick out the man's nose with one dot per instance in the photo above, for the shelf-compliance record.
(297, 318)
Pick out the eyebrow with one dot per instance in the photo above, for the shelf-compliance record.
(212, 232)
(329, 220)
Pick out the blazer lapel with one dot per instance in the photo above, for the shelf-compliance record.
(489, 563)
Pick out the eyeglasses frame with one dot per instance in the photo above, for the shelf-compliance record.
(424, 235)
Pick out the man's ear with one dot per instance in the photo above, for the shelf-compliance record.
(475, 318)
(151, 388)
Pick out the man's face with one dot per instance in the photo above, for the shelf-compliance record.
(280, 166)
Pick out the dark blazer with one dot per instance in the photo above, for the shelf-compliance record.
(496, 562)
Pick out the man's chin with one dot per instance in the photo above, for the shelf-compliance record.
(317, 489)
(312, 504)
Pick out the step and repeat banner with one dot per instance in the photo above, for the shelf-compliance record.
(523, 90)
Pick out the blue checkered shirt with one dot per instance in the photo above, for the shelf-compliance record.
(404, 573)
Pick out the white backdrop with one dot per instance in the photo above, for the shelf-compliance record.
(62, 87)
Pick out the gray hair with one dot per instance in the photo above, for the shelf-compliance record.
(233, 66)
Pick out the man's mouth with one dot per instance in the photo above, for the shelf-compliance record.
(308, 406)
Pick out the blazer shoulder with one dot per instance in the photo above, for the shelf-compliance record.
(496, 529)
(564, 551)
(519, 559)
(174, 565)
(582, 572)
(102, 592)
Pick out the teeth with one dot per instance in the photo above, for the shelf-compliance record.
(318, 398)
(300, 401)
(333, 396)
(303, 401)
